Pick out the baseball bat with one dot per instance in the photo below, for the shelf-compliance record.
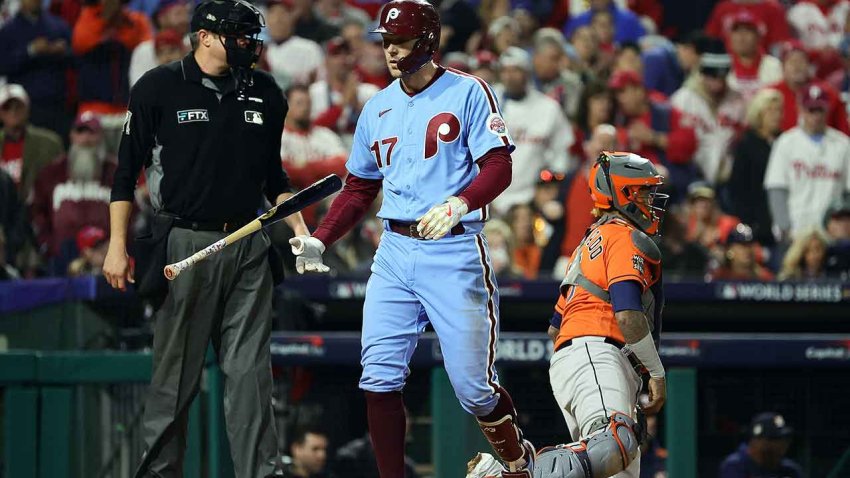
(298, 201)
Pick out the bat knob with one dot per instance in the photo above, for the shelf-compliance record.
(170, 272)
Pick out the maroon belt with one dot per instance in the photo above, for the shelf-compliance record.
(409, 229)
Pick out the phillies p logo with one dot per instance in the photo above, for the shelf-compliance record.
(392, 14)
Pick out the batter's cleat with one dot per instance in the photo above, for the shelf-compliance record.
(527, 471)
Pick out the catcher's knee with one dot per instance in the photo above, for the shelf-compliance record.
(605, 452)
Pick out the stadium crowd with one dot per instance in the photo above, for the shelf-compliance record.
(745, 116)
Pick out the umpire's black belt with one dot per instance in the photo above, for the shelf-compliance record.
(219, 226)
(616, 343)
(409, 229)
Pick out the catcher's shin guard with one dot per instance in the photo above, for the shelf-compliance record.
(604, 453)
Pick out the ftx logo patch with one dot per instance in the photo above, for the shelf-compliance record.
(192, 116)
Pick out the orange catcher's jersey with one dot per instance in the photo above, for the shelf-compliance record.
(612, 251)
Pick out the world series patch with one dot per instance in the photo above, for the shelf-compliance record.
(496, 125)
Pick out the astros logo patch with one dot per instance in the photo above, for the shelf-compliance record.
(192, 116)
(254, 117)
(496, 125)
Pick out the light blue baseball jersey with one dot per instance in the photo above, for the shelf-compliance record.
(424, 146)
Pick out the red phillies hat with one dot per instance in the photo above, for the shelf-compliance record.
(744, 18)
(790, 46)
(814, 97)
(90, 236)
(624, 78)
(88, 119)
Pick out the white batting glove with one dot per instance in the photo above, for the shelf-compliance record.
(308, 254)
(437, 222)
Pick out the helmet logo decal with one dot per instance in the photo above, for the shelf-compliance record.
(211, 17)
(444, 127)
(392, 14)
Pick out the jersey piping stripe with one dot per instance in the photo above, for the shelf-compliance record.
(491, 312)
(490, 98)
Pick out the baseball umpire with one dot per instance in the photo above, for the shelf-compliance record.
(207, 130)
(606, 326)
(435, 141)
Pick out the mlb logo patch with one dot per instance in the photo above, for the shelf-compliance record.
(192, 116)
(496, 125)
(254, 117)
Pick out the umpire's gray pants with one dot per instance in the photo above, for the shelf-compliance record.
(226, 298)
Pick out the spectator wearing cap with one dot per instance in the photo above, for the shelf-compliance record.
(104, 37)
(626, 24)
(706, 224)
(538, 127)
(809, 168)
(739, 258)
(552, 72)
(171, 19)
(24, 148)
(796, 70)
(652, 129)
(338, 99)
(752, 69)
(309, 152)
(310, 25)
(837, 225)
(715, 111)
(727, 13)
(290, 58)
(747, 198)
(92, 244)
(73, 191)
(764, 454)
(36, 54)
(689, 49)
(806, 258)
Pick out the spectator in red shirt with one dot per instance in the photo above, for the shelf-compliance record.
(73, 191)
(796, 68)
(766, 12)
(739, 258)
(654, 130)
(706, 224)
(92, 243)
(752, 69)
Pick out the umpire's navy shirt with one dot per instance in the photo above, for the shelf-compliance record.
(208, 155)
(741, 465)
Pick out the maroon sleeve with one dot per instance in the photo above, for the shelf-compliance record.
(348, 208)
(494, 177)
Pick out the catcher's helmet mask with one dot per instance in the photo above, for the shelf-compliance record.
(645, 213)
(412, 19)
(238, 25)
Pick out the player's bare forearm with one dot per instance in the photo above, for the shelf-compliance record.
(119, 218)
(633, 325)
(294, 221)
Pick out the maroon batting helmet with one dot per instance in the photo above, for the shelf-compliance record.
(412, 19)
